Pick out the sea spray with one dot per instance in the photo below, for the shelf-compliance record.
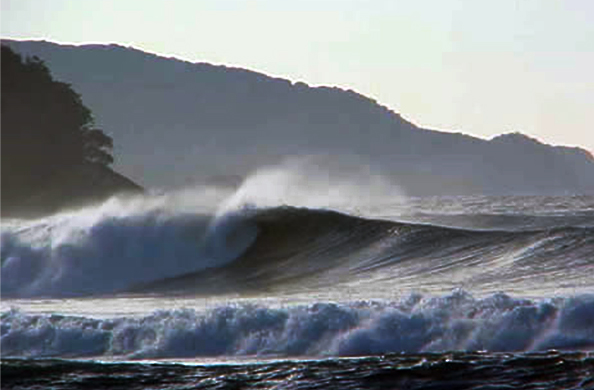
(316, 182)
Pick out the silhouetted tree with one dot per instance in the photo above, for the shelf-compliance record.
(46, 128)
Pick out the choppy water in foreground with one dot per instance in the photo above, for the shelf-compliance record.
(552, 370)
(452, 293)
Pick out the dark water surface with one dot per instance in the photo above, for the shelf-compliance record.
(550, 370)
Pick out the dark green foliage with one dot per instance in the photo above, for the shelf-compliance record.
(46, 129)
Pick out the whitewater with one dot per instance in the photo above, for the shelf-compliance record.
(299, 271)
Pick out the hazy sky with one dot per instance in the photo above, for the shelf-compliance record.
(479, 67)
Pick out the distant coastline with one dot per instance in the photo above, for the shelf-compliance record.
(176, 123)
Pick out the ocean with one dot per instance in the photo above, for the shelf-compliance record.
(215, 289)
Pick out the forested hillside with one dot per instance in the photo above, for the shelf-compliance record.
(52, 154)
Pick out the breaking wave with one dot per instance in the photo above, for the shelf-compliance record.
(78, 254)
(283, 248)
(415, 323)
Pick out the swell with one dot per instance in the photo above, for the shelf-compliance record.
(303, 249)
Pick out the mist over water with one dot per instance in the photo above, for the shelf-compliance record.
(318, 182)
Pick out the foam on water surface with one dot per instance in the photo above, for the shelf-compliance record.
(498, 323)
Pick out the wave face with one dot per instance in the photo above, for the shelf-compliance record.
(284, 249)
(306, 249)
(413, 324)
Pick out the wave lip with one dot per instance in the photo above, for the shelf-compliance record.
(498, 323)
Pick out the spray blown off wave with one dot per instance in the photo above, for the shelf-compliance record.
(413, 324)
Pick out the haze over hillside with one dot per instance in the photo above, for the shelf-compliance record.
(175, 123)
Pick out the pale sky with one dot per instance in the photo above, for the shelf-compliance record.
(479, 67)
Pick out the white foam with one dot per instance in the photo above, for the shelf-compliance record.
(118, 244)
(414, 324)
